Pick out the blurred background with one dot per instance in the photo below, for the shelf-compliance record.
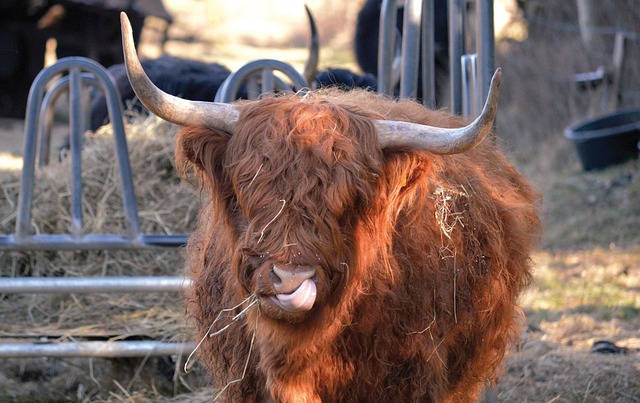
(565, 63)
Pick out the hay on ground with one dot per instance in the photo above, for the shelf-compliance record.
(165, 204)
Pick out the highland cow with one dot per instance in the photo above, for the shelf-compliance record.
(354, 248)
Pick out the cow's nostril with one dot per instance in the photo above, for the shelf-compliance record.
(286, 281)
(275, 279)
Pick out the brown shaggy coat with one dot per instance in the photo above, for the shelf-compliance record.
(420, 258)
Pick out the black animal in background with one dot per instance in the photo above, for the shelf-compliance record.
(345, 79)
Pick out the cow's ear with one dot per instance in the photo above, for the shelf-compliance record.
(200, 148)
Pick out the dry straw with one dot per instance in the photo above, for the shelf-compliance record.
(165, 204)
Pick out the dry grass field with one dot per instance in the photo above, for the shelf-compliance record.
(587, 268)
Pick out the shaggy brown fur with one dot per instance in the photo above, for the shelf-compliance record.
(419, 258)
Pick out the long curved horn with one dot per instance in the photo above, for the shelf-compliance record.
(440, 140)
(311, 66)
(168, 107)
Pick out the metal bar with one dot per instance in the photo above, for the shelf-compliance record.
(76, 139)
(102, 349)
(464, 22)
(268, 80)
(386, 46)
(410, 48)
(127, 193)
(89, 285)
(229, 89)
(47, 111)
(253, 86)
(466, 88)
(456, 49)
(470, 91)
(428, 54)
(476, 100)
(485, 45)
(25, 197)
(34, 101)
(86, 105)
(46, 119)
(91, 242)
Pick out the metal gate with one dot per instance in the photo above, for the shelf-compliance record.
(75, 75)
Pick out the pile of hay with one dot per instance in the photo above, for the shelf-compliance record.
(165, 204)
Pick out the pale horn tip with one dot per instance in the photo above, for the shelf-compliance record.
(125, 25)
(491, 104)
(128, 47)
(497, 76)
(489, 110)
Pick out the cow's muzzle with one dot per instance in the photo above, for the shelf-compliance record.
(295, 288)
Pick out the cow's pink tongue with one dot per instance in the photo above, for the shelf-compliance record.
(301, 299)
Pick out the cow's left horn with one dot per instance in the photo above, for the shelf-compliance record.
(177, 110)
(440, 140)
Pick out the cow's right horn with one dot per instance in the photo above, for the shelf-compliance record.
(168, 107)
(439, 140)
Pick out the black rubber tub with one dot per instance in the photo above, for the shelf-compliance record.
(606, 140)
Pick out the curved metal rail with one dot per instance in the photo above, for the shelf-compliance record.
(259, 78)
(75, 72)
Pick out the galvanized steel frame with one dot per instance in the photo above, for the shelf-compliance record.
(80, 70)
(418, 29)
(75, 74)
(259, 78)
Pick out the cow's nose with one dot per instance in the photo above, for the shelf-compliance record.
(287, 281)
